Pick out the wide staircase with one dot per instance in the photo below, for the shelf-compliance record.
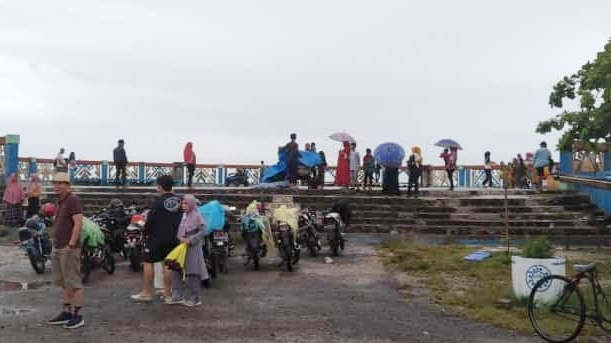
(462, 213)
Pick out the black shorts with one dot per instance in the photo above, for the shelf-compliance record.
(157, 252)
(540, 171)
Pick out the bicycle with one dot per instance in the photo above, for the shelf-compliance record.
(559, 291)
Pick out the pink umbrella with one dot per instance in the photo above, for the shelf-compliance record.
(342, 137)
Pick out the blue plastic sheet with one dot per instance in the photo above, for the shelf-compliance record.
(306, 158)
(214, 216)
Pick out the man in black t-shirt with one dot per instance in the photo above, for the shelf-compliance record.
(161, 229)
(292, 159)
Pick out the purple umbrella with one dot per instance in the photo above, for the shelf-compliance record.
(448, 143)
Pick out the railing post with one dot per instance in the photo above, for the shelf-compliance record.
(11, 154)
(461, 176)
(566, 162)
(220, 175)
(32, 167)
(104, 173)
(468, 178)
(141, 173)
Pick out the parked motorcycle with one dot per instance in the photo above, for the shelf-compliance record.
(307, 233)
(95, 253)
(252, 233)
(335, 223)
(288, 249)
(35, 239)
(115, 220)
(134, 240)
(220, 246)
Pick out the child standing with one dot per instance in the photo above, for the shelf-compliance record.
(191, 231)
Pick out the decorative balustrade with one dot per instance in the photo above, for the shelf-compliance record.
(145, 173)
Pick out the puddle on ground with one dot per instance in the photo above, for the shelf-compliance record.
(10, 286)
(15, 286)
(13, 311)
(365, 239)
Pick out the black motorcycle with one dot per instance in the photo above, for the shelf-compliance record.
(288, 249)
(115, 221)
(94, 257)
(35, 239)
(335, 223)
(252, 234)
(134, 241)
(307, 233)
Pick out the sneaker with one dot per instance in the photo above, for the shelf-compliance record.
(174, 301)
(192, 303)
(76, 322)
(63, 318)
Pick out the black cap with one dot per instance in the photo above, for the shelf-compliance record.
(121, 141)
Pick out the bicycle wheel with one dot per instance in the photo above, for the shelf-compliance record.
(556, 309)
(603, 304)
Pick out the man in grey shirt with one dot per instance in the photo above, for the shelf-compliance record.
(355, 165)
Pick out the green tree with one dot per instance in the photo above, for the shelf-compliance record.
(590, 124)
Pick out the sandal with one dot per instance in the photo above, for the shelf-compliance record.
(142, 298)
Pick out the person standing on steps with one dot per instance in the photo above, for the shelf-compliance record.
(292, 160)
(189, 159)
(368, 168)
(540, 161)
(120, 161)
(60, 163)
(449, 159)
(66, 255)
(487, 170)
(355, 166)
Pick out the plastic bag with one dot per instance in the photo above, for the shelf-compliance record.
(91, 234)
(214, 216)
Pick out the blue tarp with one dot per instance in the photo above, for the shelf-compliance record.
(214, 216)
(306, 158)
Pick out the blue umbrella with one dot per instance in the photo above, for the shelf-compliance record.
(389, 154)
(448, 143)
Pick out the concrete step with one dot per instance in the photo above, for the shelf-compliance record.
(470, 230)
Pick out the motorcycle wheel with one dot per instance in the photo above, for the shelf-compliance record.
(213, 265)
(223, 264)
(255, 262)
(334, 248)
(296, 256)
(85, 266)
(109, 261)
(135, 261)
(38, 263)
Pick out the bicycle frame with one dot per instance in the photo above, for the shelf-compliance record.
(596, 316)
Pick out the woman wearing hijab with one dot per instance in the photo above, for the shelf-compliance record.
(191, 231)
(34, 192)
(189, 159)
(342, 173)
(12, 199)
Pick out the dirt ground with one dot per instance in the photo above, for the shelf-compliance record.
(351, 300)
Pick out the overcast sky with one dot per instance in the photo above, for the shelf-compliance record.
(237, 77)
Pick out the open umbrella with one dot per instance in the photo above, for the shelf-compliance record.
(342, 137)
(389, 154)
(448, 143)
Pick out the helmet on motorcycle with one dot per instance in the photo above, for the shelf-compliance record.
(138, 220)
(115, 203)
(31, 224)
(48, 210)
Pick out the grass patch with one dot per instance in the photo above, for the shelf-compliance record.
(473, 289)
(3, 231)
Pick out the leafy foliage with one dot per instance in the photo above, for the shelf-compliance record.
(538, 248)
(591, 123)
